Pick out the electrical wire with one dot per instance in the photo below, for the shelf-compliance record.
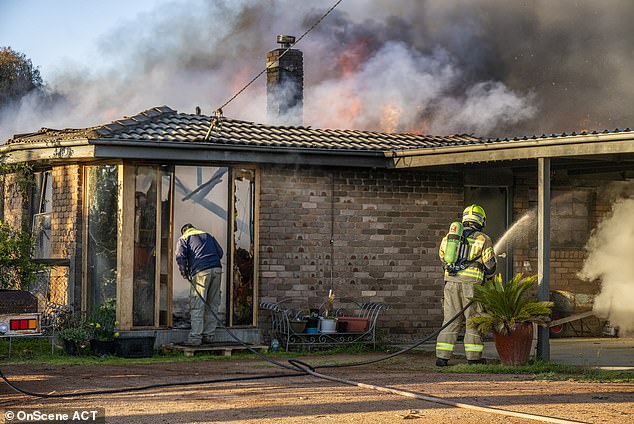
(141, 388)
(218, 111)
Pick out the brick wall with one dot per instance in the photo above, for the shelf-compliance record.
(386, 227)
(66, 222)
(16, 206)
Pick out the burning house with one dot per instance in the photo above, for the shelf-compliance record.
(301, 211)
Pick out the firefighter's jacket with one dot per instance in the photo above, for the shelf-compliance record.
(196, 251)
(477, 252)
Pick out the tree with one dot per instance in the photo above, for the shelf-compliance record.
(17, 269)
(18, 77)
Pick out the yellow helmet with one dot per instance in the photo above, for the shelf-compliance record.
(474, 213)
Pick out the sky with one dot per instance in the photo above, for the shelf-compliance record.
(490, 68)
(54, 33)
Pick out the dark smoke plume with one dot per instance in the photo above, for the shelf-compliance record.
(486, 67)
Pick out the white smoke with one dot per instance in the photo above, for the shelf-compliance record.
(610, 249)
(211, 50)
(480, 66)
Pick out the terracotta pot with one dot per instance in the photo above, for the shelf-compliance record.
(515, 348)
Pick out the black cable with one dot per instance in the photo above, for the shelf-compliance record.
(295, 365)
(140, 388)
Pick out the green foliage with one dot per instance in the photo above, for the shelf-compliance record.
(76, 331)
(103, 322)
(18, 77)
(17, 269)
(22, 171)
(506, 304)
(545, 371)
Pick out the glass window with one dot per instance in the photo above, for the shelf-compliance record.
(41, 208)
(145, 219)
(243, 242)
(166, 222)
(102, 200)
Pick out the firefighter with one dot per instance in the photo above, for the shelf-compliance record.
(467, 259)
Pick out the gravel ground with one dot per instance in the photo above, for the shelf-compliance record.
(308, 399)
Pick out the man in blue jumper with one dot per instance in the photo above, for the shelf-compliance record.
(198, 256)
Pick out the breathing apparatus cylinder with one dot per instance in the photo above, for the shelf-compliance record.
(454, 240)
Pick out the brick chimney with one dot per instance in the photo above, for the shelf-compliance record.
(285, 83)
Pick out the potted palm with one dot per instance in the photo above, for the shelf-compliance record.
(509, 314)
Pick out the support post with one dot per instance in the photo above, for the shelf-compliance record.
(543, 249)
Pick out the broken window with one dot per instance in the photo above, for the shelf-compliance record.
(41, 213)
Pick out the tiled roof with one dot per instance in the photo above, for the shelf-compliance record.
(163, 124)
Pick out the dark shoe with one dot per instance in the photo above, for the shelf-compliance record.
(208, 340)
(190, 343)
(441, 362)
(476, 361)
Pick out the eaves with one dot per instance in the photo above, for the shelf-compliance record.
(92, 149)
(548, 147)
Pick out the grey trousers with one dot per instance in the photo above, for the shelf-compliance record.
(207, 283)
(456, 296)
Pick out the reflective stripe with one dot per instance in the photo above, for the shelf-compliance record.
(472, 272)
(473, 347)
(488, 254)
(444, 346)
(190, 232)
(476, 246)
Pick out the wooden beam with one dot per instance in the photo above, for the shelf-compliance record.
(51, 154)
(543, 249)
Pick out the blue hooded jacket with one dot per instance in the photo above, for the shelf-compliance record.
(196, 251)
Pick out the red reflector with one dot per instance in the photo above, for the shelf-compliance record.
(24, 324)
(15, 324)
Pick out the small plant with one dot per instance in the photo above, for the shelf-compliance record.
(506, 304)
(79, 335)
(103, 323)
(328, 305)
(76, 335)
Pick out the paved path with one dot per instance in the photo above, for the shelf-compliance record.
(606, 353)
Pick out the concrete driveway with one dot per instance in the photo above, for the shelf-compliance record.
(606, 353)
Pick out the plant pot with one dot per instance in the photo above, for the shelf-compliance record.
(354, 324)
(312, 326)
(102, 347)
(70, 347)
(135, 346)
(297, 326)
(515, 347)
(328, 325)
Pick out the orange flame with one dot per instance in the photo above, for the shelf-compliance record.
(351, 59)
(390, 118)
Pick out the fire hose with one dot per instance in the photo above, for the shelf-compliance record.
(302, 369)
